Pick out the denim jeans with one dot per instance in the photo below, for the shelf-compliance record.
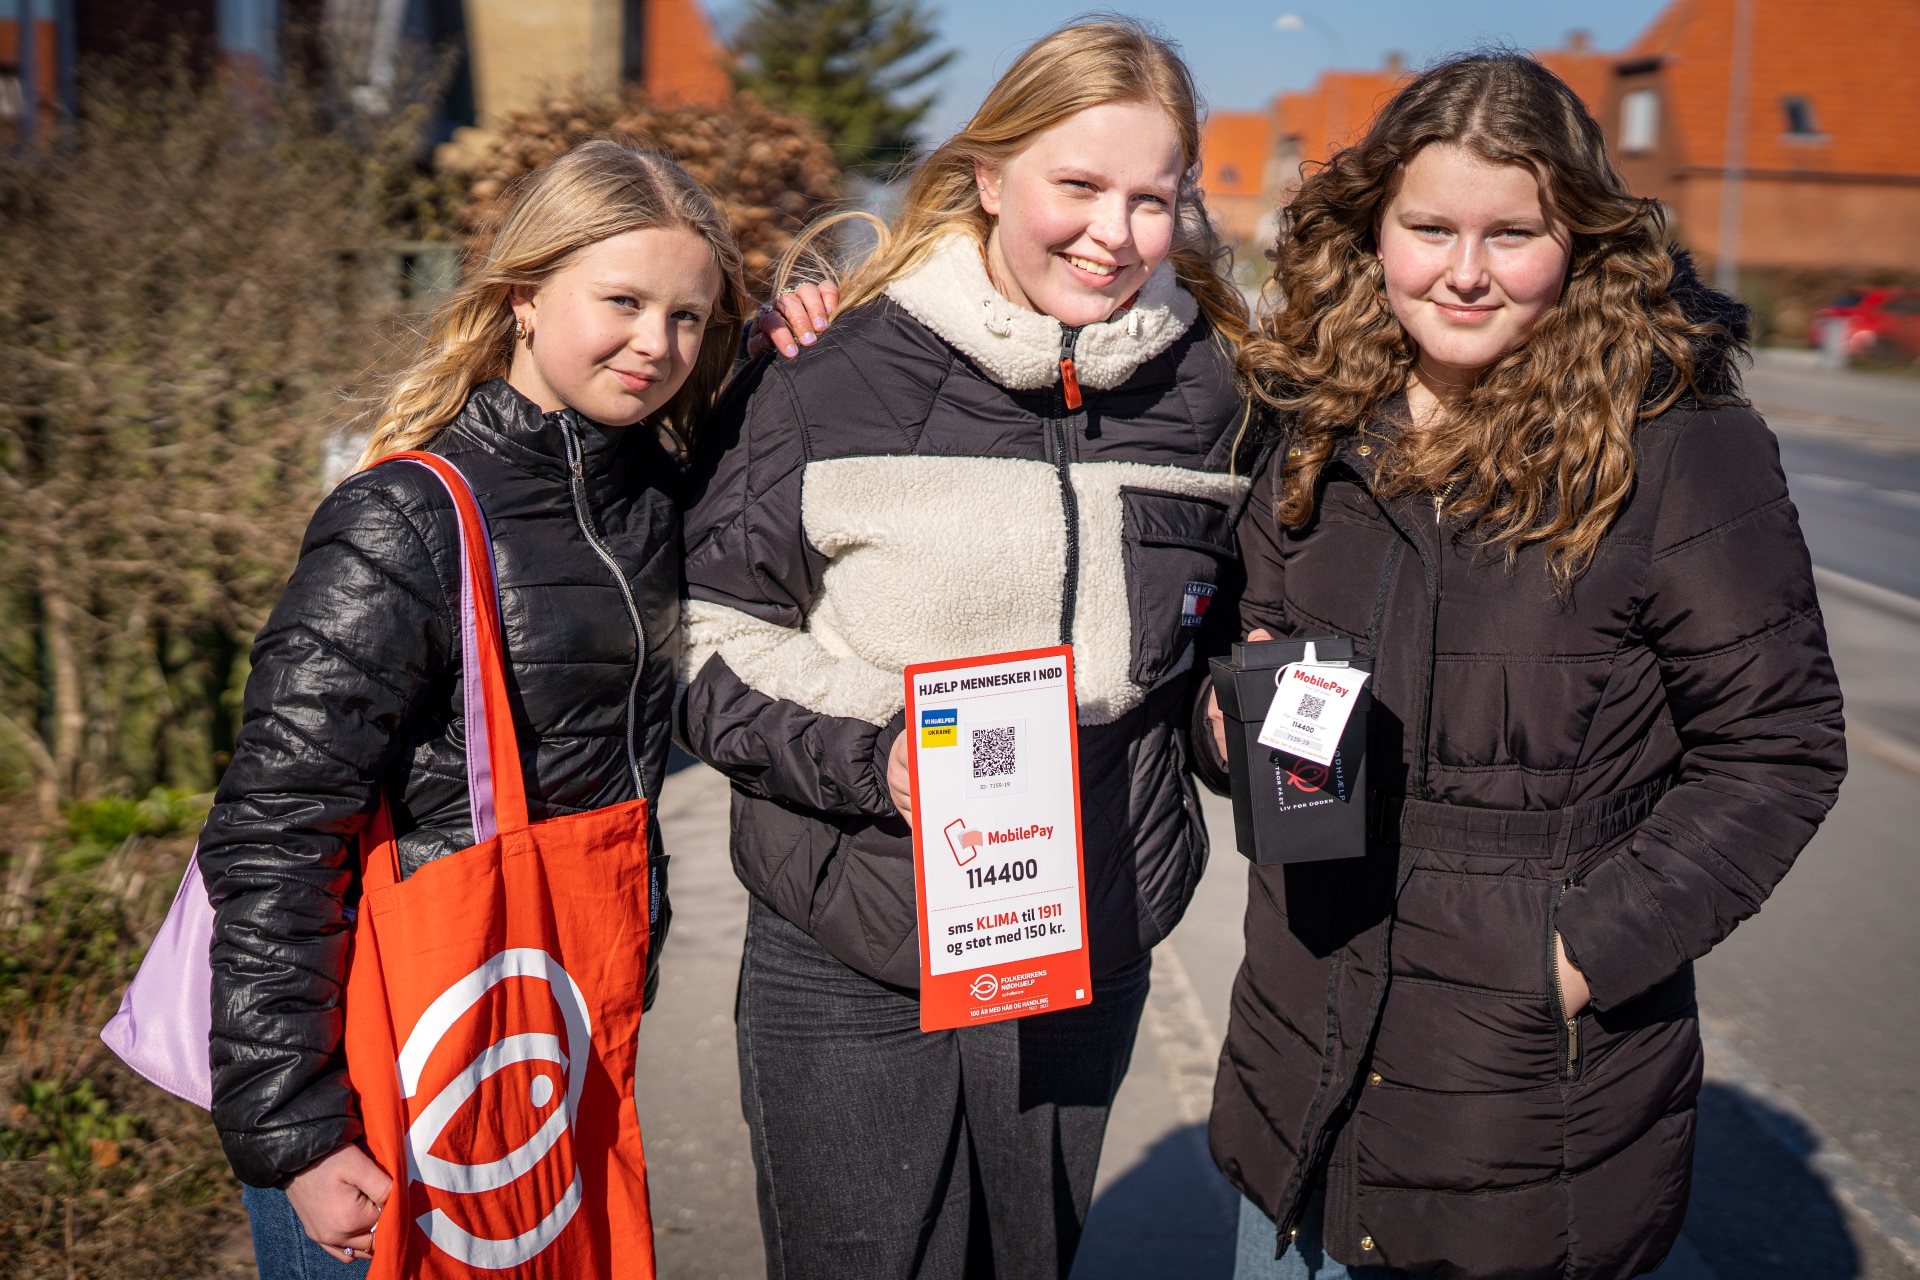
(886, 1153)
(281, 1245)
(1304, 1259)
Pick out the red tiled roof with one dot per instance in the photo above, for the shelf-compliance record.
(1336, 111)
(1857, 66)
(1233, 153)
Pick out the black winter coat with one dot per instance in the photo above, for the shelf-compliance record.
(356, 691)
(915, 487)
(1633, 767)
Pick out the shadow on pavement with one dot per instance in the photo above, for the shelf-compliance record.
(1758, 1212)
(1170, 1215)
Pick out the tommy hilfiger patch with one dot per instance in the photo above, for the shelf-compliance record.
(1193, 604)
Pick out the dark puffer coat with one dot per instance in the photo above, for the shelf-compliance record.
(356, 690)
(1633, 767)
(917, 487)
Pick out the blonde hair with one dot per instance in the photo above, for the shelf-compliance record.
(598, 190)
(1089, 64)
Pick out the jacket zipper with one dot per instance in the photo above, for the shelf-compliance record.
(1069, 501)
(578, 486)
(1569, 1029)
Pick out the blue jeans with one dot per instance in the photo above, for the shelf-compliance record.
(281, 1246)
(1304, 1259)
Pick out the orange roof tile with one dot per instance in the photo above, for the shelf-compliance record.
(1233, 153)
(1853, 64)
(684, 64)
(1336, 111)
(1588, 74)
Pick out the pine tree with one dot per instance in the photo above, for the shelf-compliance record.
(845, 65)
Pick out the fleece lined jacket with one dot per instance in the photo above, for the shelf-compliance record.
(914, 488)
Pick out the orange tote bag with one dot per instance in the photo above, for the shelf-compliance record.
(492, 1005)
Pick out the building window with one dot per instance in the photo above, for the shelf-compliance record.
(1639, 121)
(1229, 176)
(1800, 122)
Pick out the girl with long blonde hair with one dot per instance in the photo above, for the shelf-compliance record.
(1016, 433)
(594, 331)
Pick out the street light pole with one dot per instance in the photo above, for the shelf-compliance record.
(1726, 271)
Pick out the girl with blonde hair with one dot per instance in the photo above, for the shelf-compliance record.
(595, 330)
(1017, 433)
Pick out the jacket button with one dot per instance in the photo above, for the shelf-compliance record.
(1294, 452)
(1365, 450)
(1366, 1242)
(1293, 1235)
(1373, 1077)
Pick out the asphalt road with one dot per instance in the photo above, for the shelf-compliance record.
(1808, 1161)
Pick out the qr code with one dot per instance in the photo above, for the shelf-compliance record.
(994, 753)
(1310, 707)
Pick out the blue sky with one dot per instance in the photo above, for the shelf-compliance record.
(1242, 60)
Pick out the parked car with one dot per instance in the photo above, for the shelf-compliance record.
(1877, 320)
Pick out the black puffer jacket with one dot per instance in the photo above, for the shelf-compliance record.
(356, 690)
(1634, 766)
(916, 488)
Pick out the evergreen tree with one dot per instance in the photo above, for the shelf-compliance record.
(845, 65)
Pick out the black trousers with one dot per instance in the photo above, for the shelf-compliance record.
(883, 1152)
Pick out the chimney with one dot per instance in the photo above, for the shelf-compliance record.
(1579, 40)
(1396, 63)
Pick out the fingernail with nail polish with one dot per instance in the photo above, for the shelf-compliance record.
(792, 350)
(807, 338)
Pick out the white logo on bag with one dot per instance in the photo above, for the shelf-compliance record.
(475, 1179)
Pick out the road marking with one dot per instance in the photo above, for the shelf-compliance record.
(1870, 593)
(1839, 484)
(1781, 1117)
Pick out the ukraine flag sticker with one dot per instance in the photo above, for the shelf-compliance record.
(940, 728)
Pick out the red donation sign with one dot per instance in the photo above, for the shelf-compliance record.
(995, 763)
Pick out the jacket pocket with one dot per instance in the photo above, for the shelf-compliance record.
(1174, 549)
(1568, 1031)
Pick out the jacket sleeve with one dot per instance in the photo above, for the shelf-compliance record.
(1251, 592)
(766, 703)
(357, 638)
(1730, 616)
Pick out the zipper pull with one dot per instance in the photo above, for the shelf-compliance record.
(1069, 379)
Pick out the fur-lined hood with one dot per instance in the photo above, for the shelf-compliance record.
(1716, 356)
(951, 294)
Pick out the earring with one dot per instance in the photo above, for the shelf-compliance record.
(520, 329)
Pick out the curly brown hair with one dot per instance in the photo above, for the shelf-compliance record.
(1539, 451)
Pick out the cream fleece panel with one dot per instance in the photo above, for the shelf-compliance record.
(951, 294)
(937, 558)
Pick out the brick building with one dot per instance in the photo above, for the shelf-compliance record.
(505, 52)
(1824, 146)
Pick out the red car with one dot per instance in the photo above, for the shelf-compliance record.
(1883, 319)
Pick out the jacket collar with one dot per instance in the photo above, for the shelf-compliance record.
(505, 423)
(951, 294)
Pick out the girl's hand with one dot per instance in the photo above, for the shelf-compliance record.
(803, 310)
(1574, 995)
(338, 1199)
(1217, 721)
(899, 785)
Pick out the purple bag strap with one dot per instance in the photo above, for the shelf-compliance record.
(479, 759)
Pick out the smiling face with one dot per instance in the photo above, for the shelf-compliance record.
(614, 333)
(1472, 262)
(1085, 212)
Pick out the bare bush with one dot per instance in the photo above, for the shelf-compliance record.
(184, 282)
(772, 172)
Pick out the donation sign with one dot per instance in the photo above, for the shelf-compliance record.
(995, 767)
